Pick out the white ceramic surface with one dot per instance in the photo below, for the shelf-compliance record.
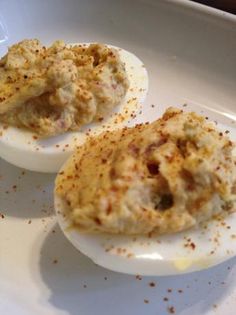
(189, 52)
(25, 149)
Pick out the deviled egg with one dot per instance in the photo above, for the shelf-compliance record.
(52, 98)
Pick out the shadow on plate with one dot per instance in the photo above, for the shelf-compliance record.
(78, 286)
(25, 194)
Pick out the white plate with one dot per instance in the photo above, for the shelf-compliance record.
(190, 55)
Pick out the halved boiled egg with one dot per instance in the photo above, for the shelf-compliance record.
(25, 149)
(203, 246)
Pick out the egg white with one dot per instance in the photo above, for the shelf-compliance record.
(24, 149)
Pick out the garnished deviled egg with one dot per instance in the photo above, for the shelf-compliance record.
(52, 98)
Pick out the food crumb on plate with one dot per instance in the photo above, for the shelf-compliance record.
(152, 284)
(171, 310)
